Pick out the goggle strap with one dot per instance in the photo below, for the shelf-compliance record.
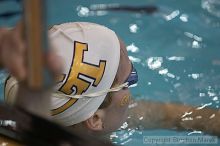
(91, 95)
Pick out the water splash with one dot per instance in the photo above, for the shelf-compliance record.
(141, 118)
(184, 18)
(175, 58)
(202, 94)
(132, 105)
(103, 6)
(171, 75)
(211, 93)
(212, 116)
(83, 11)
(186, 114)
(196, 40)
(195, 76)
(187, 119)
(133, 28)
(198, 117)
(172, 15)
(134, 59)
(193, 36)
(215, 98)
(133, 48)
(163, 71)
(154, 62)
(203, 106)
(176, 85)
(127, 141)
(194, 132)
(86, 12)
(124, 125)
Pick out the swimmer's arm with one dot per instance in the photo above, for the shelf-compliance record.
(153, 115)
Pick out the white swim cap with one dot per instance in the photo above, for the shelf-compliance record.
(91, 55)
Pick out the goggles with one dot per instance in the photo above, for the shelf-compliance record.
(131, 81)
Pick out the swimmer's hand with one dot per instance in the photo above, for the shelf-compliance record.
(12, 47)
(13, 53)
(13, 56)
(156, 115)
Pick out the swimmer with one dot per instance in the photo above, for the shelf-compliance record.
(92, 92)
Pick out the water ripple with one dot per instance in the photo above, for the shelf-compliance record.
(212, 7)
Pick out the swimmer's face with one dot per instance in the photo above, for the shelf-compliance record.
(116, 112)
(111, 117)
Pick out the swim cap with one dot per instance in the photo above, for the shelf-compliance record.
(90, 54)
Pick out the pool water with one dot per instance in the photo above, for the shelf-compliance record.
(175, 50)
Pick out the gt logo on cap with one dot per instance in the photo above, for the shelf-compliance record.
(75, 82)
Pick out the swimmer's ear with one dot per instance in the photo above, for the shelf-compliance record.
(95, 122)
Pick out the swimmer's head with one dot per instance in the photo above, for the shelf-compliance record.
(113, 111)
(95, 65)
